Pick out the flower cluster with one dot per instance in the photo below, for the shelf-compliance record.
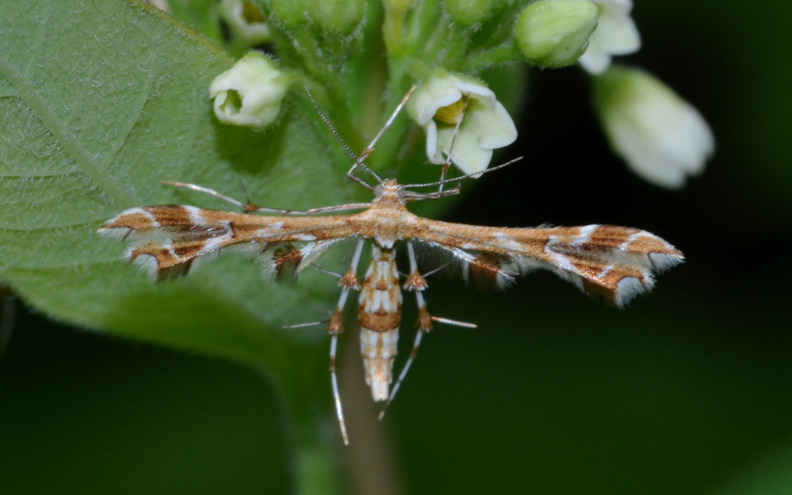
(661, 137)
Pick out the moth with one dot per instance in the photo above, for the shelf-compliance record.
(618, 263)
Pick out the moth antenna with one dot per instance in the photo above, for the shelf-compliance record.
(415, 196)
(358, 160)
(330, 125)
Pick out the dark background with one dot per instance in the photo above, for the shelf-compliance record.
(685, 392)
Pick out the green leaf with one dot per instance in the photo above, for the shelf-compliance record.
(100, 101)
(111, 99)
(200, 15)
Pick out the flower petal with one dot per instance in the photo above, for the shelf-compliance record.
(660, 136)
(616, 34)
(486, 124)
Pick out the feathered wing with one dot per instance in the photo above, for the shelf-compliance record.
(165, 241)
(618, 263)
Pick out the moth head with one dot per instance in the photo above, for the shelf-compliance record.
(391, 189)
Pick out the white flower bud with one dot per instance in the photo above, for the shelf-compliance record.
(250, 93)
(486, 125)
(660, 136)
(616, 34)
(555, 33)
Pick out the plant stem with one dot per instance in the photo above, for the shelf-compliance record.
(315, 465)
(478, 61)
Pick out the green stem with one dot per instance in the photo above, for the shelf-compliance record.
(479, 61)
(315, 61)
(392, 26)
(309, 427)
(316, 470)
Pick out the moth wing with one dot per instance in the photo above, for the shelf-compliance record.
(617, 263)
(486, 269)
(167, 241)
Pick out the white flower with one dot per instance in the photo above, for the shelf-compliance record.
(616, 34)
(486, 125)
(660, 136)
(245, 21)
(250, 93)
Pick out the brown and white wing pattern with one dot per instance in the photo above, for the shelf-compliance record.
(618, 263)
(166, 240)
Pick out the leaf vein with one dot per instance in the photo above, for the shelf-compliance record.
(125, 135)
(61, 132)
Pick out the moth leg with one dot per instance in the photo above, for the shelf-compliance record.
(417, 283)
(250, 207)
(456, 323)
(366, 152)
(325, 271)
(334, 385)
(306, 324)
(246, 207)
(447, 163)
(335, 326)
